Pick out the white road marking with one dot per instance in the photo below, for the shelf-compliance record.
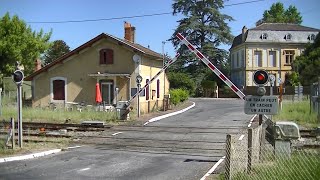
(170, 114)
(213, 168)
(84, 169)
(17, 158)
(116, 133)
(251, 120)
(241, 137)
(73, 147)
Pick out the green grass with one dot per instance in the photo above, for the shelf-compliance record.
(300, 166)
(298, 112)
(59, 143)
(57, 116)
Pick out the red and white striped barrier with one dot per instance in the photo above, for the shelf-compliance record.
(211, 66)
(152, 79)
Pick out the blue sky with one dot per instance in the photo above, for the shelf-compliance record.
(149, 30)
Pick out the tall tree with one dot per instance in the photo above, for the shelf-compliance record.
(18, 43)
(206, 28)
(277, 14)
(58, 49)
(308, 64)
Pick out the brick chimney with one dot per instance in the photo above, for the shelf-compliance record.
(37, 65)
(129, 32)
(244, 31)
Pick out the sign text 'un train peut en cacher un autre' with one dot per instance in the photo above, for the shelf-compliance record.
(261, 105)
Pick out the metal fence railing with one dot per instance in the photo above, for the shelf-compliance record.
(248, 156)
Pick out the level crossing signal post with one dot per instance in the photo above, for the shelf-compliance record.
(18, 77)
(261, 104)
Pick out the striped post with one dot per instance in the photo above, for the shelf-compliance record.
(211, 66)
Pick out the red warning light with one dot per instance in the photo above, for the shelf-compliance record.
(260, 77)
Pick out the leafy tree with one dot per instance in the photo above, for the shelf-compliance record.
(206, 28)
(277, 14)
(181, 81)
(58, 49)
(308, 64)
(291, 79)
(18, 43)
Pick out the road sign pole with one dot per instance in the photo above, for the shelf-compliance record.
(260, 119)
(138, 99)
(19, 103)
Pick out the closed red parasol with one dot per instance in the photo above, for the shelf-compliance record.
(98, 94)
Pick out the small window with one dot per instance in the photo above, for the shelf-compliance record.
(311, 37)
(288, 37)
(106, 56)
(264, 36)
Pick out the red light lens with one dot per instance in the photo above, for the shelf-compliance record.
(260, 77)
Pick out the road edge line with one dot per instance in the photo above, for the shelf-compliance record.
(213, 168)
(34, 155)
(170, 114)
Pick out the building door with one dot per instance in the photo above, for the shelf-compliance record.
(107, 91)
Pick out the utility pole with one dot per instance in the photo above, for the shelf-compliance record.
(164, 73)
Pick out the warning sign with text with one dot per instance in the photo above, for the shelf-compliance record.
(261, 105)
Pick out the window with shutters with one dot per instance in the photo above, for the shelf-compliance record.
(106, 56)
(58, 89)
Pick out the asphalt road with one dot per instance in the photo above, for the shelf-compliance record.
(183, 146)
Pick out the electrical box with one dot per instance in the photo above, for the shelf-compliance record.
(286, 130)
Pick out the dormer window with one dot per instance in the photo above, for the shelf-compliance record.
(311, 37)
(288, 37)
(106, 56)
(264, 36)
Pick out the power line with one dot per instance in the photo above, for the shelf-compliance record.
(126, 17)
(103, 19)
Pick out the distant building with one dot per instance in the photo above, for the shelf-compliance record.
(269, 46)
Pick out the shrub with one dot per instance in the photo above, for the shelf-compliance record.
(181, 81)
(178, 95)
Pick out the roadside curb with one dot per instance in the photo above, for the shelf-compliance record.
(168, 115)
(35, 155)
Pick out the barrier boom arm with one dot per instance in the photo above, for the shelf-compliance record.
(151, 80)
(211, 66)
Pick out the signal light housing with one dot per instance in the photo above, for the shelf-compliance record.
(18, 76)
(260, 77)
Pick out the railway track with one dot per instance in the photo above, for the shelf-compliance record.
(102, 135)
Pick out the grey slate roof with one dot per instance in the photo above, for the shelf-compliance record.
(276, 33)
(283, 27)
